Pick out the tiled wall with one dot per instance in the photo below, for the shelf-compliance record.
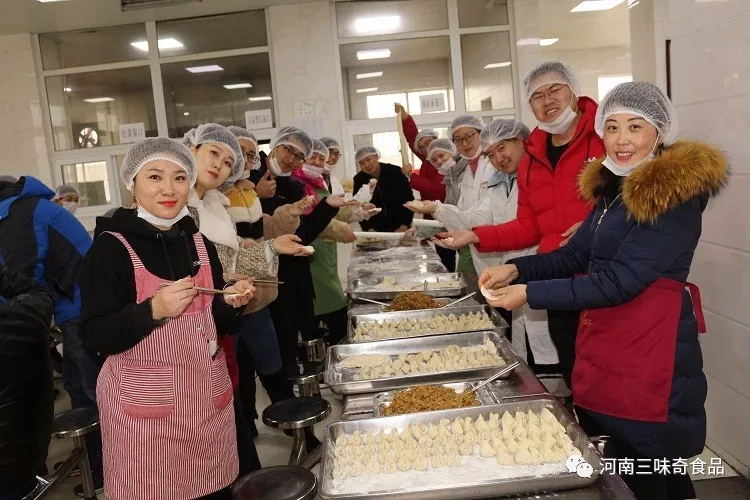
(711, 90)
(21, 131)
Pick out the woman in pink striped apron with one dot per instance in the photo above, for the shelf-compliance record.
(164, 394)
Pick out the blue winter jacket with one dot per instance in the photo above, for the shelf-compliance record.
(650, 231)
(43, 241)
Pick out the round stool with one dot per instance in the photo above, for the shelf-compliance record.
(280, 482)
(297, 414)
(76, 424)
(308, 380)
(315, 349)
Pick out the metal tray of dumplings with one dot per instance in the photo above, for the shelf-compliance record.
(397, 267)
(341, 380)
(383, 400)
(462, 485)
(499, 323)
(434, 285)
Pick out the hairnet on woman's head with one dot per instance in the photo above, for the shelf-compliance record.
(643, 99)
(425, 132)
(331, 143)
(219, 134)
(548, 73)
(8, 178)
(319, 147)
(295, 137)
(156, 148)
(502, 129)
(441, 145)
(466, 121)
(243, 133)
(364, 152)
(64, 189)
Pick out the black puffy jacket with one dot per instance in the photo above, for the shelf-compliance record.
(26, 398)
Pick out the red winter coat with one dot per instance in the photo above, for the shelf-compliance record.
(548, 199)
(427, 181)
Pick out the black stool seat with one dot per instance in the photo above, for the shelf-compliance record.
(74, 423)
(296, 413)
(280, 482)
(309, 371)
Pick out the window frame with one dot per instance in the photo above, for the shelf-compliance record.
(351, 128)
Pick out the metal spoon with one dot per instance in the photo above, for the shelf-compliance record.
(459, 300)
(505, 369)
(373, 301)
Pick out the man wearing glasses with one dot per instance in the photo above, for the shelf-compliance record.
(550, 209)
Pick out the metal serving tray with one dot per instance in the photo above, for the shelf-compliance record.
(383, 400)
(341, 380)
(464, 485)
(396, 267)
(458, 310)
(357, 308)
(373, 287)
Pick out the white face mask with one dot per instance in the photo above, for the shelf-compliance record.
(445, 167)
(626, 170)
(561, 123)
(274, 166)
(312, 170)
(158, 221)
(70, 206)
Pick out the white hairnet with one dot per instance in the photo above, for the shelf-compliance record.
(219, 134)
(364, 152)
(331, 143)
(242, 133)
(643, 99)
(153, 149)
(441, 145)
(8, 178)
(502, 129)
(319, 147)
(548, 73)
(63, 190)
(425, 132)
(295, 137)
(466, 121)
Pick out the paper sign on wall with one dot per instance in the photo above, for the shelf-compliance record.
(132, 132)
(258, 118)
(432, 103)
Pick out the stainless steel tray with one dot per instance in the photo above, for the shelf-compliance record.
(383, 400)
(464, 486)
(357, 308)
(341, 381)
(394, 268)
(428, 283)
(459, 309)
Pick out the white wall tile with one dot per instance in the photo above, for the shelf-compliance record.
(731, 205)
(726, 352)
(688, 16)
(728, 413)
(723, 277)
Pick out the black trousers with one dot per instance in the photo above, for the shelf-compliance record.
(447, 257)
(276, 384)
(563, 326)
(246, 452)
(336, 323)
(222, 494)
(650, 484)
(291, 320)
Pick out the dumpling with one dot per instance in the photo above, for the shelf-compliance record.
(389, 467)
(340, 471)
(536, 457)
(404, 464)
(520, 431)
(486, 449)
(341, 440)
(368, 438)
(508, 421)
(533, 430)
(421, 462)
(481, 425)
(356, 469)
(452, 459)
(494, 421)
(504, 458)
(466, 449)
(383, 457)
(356, 438)
(432, 431)
(498, 444)
(520, 418)
(393, 435)
(531, 418)
(512, 445)
(524, 443)
(471, 438)
(380, 438)
(547, 416)
(522, 456)
(468, 425)
(372, 467)
(457, 427)
(438, 460)
(444, 429)
(406, 434)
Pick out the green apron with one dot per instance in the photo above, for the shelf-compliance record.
(466, 264)
(329, 295)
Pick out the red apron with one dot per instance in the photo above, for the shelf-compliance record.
(625, 354)
(165, 405)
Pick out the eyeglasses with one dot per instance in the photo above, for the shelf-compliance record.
(465, 139)
(539, 97)
(490, 152)
(250, 156)
(298, 157)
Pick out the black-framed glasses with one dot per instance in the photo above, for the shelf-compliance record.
(538, 97)
(298, 157)
(467, 138)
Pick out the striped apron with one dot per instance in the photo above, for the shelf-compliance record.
(165, 405)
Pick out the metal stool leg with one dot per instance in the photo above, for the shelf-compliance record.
(305, 389)
(299, 448)
(315, 388)
(87, 480)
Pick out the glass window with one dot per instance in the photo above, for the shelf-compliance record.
(605, 83)
(233, 87)
(473, 13)
(126, 196)
(91, 179)
(389, 16)
(87, 109)
(396, 67)
(208, 34)
(93, 46)
(386, 142)
(488, 76)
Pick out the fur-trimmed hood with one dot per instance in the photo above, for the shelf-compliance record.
(683, 170)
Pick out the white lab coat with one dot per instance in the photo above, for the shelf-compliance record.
(473, 186)
(497, 206)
